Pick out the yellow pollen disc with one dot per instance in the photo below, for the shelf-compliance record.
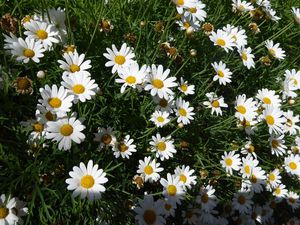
(241, 109)
(54, 102)
(26, 19)
(295, 150)
(215, 104)
(289, 123)
(253, 179)
(180, 2)
(182, 112)
(267, 100)
(3, 212)
(49, 116)
(275, 144)
(272, 52)
(29, 53)
(277, 191)
(160, 119)
(23, 83)
(251, 149)
(221, 42)
(157, 83)
(234, 38)
(220, 73)
(204, 198)
(172, 190)
(228, 162)
(122, 147)
(119, 59)
(168, 206)
(247, 169)
(193, 10)
(186, 25)
(244, 56)
(183, 87)
(106, 139)
(241, 8)
(148, 170)
(78, 89)
(161, 146)
(272, 177)
(182, 178)
(293, 165)
(87, 181)
(42, 34)
(69, 48)
(294, 81)
(130, 80)
(270, 120)
(163, 102)
(37, 127)
(66, 130)
(149, 217)
(241, 200)
(74, 68)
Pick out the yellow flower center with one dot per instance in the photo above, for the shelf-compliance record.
(122, 147)
(87, 181)
(289, 123)
(49, 116)
(130, 80)
(215, 104)
(272, 177)
(149, 217)
(42, 34)
(244, 56)
(29, 53)
(54, 102)
(186, 25)
(180, 2)
(294, 81)
(157, 83)
(253, 179)
(74, 68)
(270, 120)
(267, 100)
(3, 212)
(78, 89)
(69, 48)
(295, 150)
(221, 42)
(277, 191)
(251, 149)
(241, 200)
(161, 146)
(37, 127)
(293, 165)
(228, 162)
(182, 178)
(241, 109)
(26, 19)
(204, 198)
(193, 10)
(220, 73)
(272, 52)
(171, 190)
(148, 170)
(182, 112)
(119, 59)
(183, 87)
(275, 144)
(247, 169)
(160, 119)
(292, 200)
(106, 139)
(66, 130)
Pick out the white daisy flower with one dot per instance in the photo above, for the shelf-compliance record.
(291, 126)
(242, 202)
(280, 192)
(81, 86)
(166, 105)
(124, 148)
(119, 58)
(238, 35)
(268, 98)
(131, 76)
(160, 118)
(87, 181)
(185, 176)
(74, 63)
(274, 178)
(241, 6)
(27, 49)
(222, 39)
(159, 83)
(184, 4)
(185, 88)
(9, 41)
(149, 212)
(293, 200)
(274, 119)
(57, 100)
(44, 115)
(249, 149)
(247, 57)
(296, 14)
(230, 162)
(215, 103)
(257, 180)
(105, 136)
(20, 210)
(64, 131)
(43, 32)
(248, 126)
(271, 14)
(288, 89)
(274, 50)
(172, 189)
(248, 164)
(292, 164)
(206, 198)
(245, 108)
(277, 145)
(7, 211)
(293, 76)
(223, 74)
(169, 208)
(188, 24)
(163, 146)
(184, 111)
(196, 12)
(149, 169)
